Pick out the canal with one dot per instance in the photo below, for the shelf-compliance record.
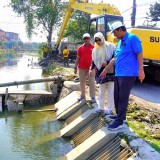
(30, 135)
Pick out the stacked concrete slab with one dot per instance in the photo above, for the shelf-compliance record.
(68, 106)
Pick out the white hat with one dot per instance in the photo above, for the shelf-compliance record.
(86, 35)
(115, 25)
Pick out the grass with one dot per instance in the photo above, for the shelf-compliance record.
(139, 119)
(139, 129)
(50, 68)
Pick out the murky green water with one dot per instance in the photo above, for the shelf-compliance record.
(29, 135)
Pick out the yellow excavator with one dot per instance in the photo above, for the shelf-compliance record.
(108, 14)
(90, 8)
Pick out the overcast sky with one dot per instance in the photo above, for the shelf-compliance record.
(9, 21)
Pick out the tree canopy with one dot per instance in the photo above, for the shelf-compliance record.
(155, 12)
(36, 13)
(77, 26)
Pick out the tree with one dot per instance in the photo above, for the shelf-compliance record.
(77, 25)
(36, 13)
(154, 13)
(1, 44)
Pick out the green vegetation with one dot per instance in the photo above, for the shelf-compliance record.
(139, 129)
(145, 123)
(40, 50)
(6, 54)
(155, 12)
(45, 14)
(77, 25)
(153, 15)
(49, 69)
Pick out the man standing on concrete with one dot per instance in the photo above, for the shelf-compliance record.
(82, 63)
(65, 56)
(45, 51)
(128, 60)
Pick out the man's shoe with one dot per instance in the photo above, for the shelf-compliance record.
(76, 79)
(94, 105)
(108, 112)
(81, 98)
(115, 126)
(125, 120)
(113, 117)
(99, 110)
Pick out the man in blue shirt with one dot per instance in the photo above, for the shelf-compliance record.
(128, 60)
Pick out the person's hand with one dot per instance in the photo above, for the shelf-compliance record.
(104, 64)
(141, 75)
(90, 72)
(75, 70)
(103, 74)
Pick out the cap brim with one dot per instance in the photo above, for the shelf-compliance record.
(111, 32)
(115, 29)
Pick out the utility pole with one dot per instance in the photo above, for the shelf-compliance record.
(133, 15)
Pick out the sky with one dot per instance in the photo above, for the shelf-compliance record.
(9, 21)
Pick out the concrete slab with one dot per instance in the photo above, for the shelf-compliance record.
(144, 150)
(78, 123)
(69, 111)
(74, 86)
(91, 145)
(67, 102)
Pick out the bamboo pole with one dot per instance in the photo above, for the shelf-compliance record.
(31, 81)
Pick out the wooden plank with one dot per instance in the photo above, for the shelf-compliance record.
(26, 92)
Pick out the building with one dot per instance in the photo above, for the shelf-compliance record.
(8, 36)
(11, 36)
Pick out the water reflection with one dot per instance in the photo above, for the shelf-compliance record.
(22, 71)
(33, 135)
(10, 62)
(30, 136)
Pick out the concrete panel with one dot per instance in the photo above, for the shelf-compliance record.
(67, 102)
(78, 123)
(69, 111)
(91, 145)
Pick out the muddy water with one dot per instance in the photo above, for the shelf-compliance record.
(30, 135)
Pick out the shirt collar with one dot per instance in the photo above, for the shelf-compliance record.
(87, 45)
(125, 37)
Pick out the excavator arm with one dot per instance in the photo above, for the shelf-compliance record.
(90, 8)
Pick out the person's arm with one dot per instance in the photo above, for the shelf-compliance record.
(141, 74)
(92, 67)
(137, 48)
(76, 64)
(107, 68)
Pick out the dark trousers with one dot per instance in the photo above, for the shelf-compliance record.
(66, 61)
(122, 88)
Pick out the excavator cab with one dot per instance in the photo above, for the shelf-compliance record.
(103, 24)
